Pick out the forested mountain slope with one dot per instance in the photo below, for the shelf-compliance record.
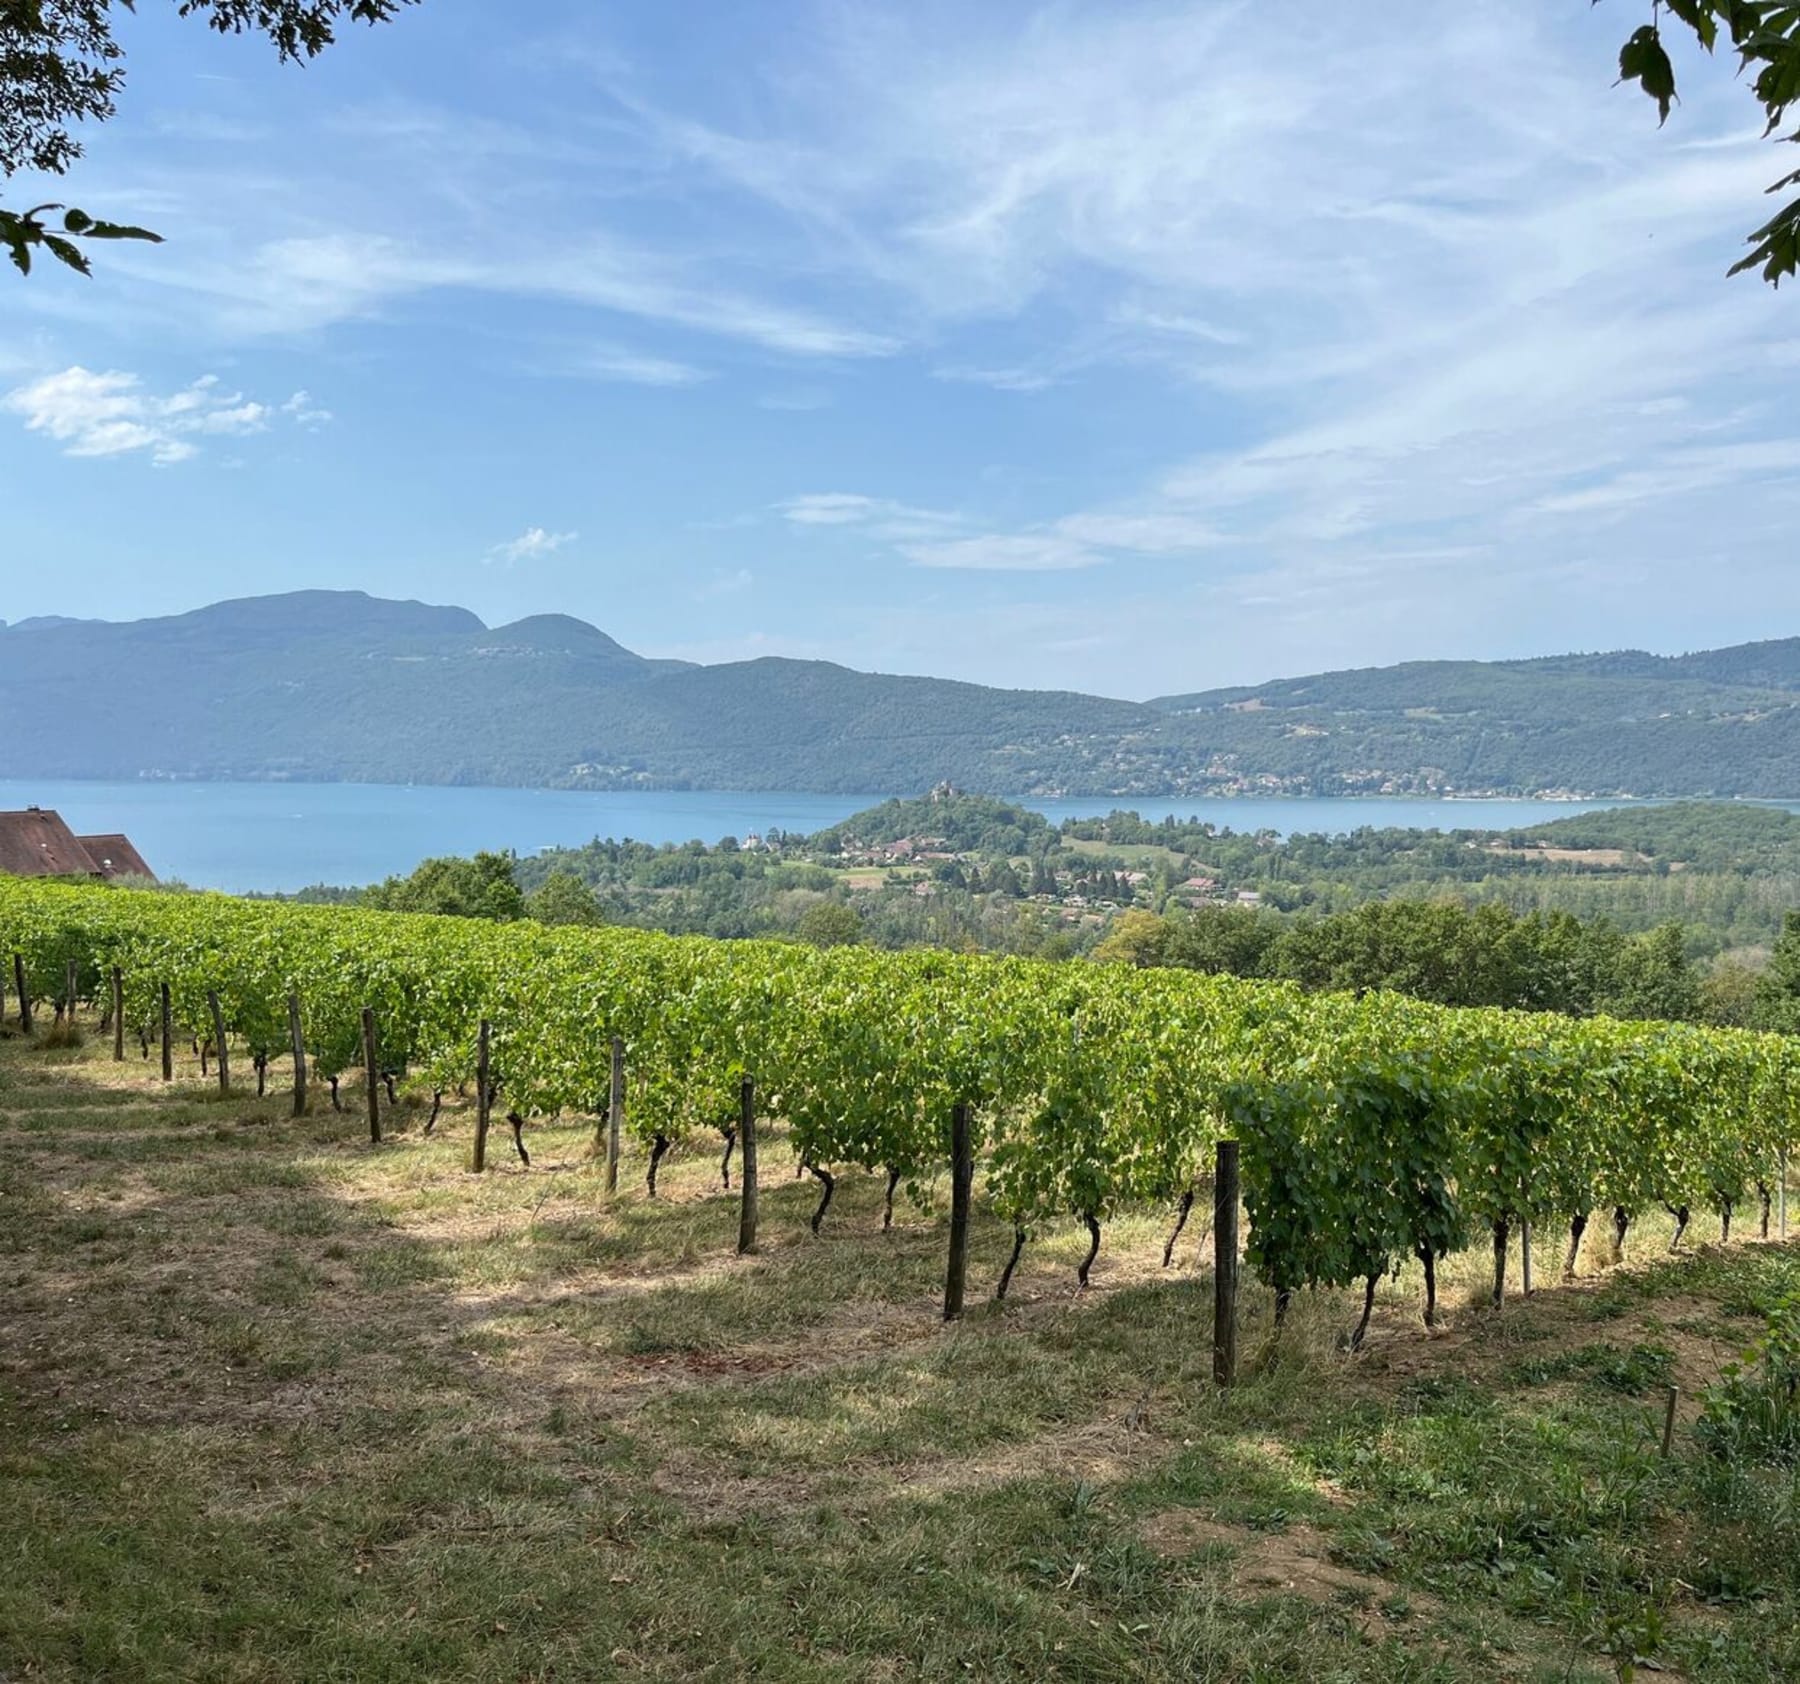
(338, 685)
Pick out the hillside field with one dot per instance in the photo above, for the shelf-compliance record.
(275, 1404)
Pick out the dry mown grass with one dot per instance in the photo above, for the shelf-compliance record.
(278, 1404)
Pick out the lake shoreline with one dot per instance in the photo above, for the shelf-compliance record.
(278, 836)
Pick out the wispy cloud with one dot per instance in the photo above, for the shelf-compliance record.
(1005, 553)
(939, 539)
(635, 368)
(874, 517)
(531, 544)
(113, 413)
(305, 412)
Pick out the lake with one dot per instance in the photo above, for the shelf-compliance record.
(272, 836)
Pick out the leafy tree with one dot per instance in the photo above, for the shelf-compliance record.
(1778, 997)
(1652, 978)
(829, 923)
(61, 65)
(1231, 940)
(562, 898)
(1137, 938)
(1730, 994)
(482, 887)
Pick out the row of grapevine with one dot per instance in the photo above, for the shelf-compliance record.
(1373, 1129)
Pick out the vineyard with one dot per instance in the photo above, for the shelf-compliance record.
(1372, 1131)
(278, 1403)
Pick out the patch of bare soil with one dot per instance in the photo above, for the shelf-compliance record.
(1295, 1561)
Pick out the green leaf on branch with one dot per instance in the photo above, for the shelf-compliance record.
(120, 231)
(1644, 60)
(68, 252)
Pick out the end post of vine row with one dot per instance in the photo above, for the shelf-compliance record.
(747, 1170)
(372, 1074)
(1225, 1261)
(478, 1161)
(297, 1045)
(962, 1179)
(615, 1114)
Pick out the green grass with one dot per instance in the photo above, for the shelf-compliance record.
(277, 1405)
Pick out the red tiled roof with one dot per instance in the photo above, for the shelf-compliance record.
(36, 843)
(114, 856)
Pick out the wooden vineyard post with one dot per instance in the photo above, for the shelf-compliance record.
(118, 1015)
(1668, 1438)
(218, 1024)
(168, 1037)
(479, 1162)
(615, 1114)
(372, 1074)
(297, 1044)
(747, 1166)
(71, 985)
(1525, 1256)
(24, 993)
(962, 1178)
(1225, 1262)
(1781, 1192)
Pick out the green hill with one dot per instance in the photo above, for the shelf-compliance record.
(1720, 722)
(324, 685)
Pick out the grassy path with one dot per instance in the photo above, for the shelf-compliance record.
(276, 1405)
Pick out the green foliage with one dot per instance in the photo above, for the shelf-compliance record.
(562, 898)
(1137, 938)
(1778, 993)
(23, 232)
(829, 923)
(964, 823)
(482, 887)
(1752, 1416)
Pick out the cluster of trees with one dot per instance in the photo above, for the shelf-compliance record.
(1443, 951)
(1726, 871)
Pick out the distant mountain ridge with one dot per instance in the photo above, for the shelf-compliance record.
(339, 685)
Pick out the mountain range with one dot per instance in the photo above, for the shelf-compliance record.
(330, 685)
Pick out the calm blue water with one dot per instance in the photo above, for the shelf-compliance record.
(285, 836)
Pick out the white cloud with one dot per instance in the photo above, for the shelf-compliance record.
(934, 538)
(1147, 534)
(1005, 553)
(113, 414)
(305, 412)
(301, 283)
(634, 368)
(533, 542)
(830, 508)
(876, 517)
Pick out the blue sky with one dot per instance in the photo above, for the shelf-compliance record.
(1118, 347)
